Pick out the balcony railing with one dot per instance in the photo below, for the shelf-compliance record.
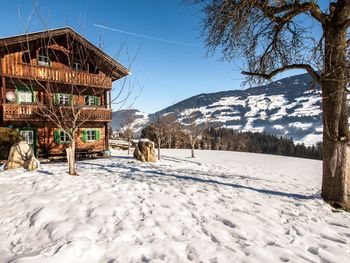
(14, 112)
(44, 73)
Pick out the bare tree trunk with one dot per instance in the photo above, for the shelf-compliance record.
(192, 150)
(336, 151)
(128, 147)
(71, 158)
(158, 149)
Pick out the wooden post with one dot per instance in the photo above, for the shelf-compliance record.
(106, 136)
(105, 101)
(110, 99)
(3, 90)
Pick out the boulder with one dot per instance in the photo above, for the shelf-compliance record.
(21, 156)
(145, 151)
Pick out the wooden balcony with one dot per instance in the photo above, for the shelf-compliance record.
(45, 73)
(30, 112)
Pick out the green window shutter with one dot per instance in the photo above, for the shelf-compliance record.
(84, 135)
(55, 98)
(17, 97)
(34, 96)
(57, 136)
(96, 101)
(98, 135)
(70, 99)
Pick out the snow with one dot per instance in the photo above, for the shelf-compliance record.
(300, 125)
(310, 139)
(309, 107)
(218, 207)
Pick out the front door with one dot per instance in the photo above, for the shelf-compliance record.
(29, 136)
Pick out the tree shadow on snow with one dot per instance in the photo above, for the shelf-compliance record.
(233, 185)
(136, 173)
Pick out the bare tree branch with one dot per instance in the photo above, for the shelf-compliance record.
(273, 73)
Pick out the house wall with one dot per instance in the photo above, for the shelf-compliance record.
(46, 141)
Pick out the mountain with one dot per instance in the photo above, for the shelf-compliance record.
(136, 119)
(290, 107)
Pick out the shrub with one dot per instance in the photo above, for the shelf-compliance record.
(8, 137)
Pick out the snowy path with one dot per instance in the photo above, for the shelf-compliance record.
(219, 207)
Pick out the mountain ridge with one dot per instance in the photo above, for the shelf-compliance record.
(286, 107)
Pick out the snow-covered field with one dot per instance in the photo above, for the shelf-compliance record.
(219, 207)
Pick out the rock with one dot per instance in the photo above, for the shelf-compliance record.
(145, 151)
(21, 156)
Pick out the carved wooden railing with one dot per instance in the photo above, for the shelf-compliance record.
(14, 112)
(45, 73)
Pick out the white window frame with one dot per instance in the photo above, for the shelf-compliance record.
(63, 99)
(77, 66)
(90, 101)
(91, 135)
(25, 97)
(43, 60)
(28, 136)
(64, 138)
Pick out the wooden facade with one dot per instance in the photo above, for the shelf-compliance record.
(62, 69)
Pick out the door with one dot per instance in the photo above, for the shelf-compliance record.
(29, 136)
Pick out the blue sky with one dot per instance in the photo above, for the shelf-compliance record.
(168, 72)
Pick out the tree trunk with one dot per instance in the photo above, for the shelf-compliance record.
(71, 158)
(336, 151)
(158, 149)
(192, 151)
(128, 147)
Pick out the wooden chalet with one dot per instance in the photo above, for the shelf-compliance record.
(60, 68)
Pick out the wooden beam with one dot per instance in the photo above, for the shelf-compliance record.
(110, 99)
(3, 90)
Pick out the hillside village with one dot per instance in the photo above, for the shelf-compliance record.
(251, 174)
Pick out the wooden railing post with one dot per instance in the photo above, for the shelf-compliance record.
(3, 90)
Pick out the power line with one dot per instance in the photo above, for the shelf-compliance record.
(148, 37)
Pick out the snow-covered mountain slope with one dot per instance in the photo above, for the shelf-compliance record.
(220, 207)
(288, 107)
(131, 118)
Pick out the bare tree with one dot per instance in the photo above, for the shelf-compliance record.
(195, 130)
(160, 129)
(127, 130)
(280, 35)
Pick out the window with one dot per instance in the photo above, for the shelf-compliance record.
(64, 137)
(61, 137)
(77, 66)
(24, 95)
(62, 99)
(91, 135)
(43, 60)
(26, 57)
(28, 136)
(92, 101)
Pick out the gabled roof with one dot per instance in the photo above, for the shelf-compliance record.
(14, 42)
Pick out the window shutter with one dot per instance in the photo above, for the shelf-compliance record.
(57, 136)
(55, 98)
(34, 96)
(70, 99)
(84, 135)
(17, 97)
(96, 101)
(98, 135)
